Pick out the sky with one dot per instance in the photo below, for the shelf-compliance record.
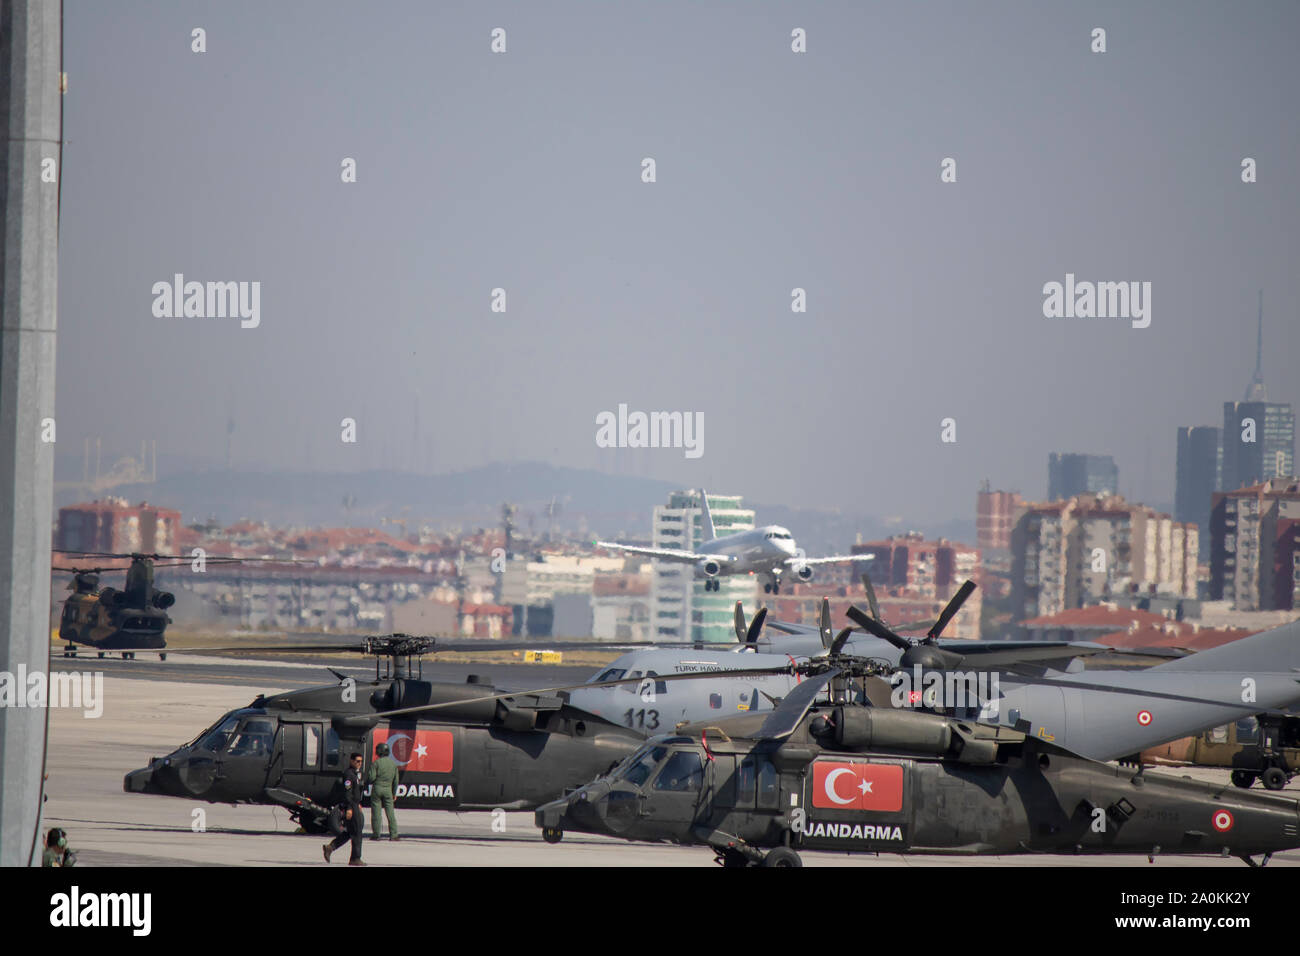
(774, 170)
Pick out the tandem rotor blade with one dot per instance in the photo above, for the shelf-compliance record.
(755, 627)
(824, 623)
(741, 629)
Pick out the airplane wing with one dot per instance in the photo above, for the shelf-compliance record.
(836, 559)
(667, 554)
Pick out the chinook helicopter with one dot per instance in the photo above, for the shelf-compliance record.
(127, 620)
(851, 778)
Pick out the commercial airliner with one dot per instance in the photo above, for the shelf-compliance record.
(769, 550)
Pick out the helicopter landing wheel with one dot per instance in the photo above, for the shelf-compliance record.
(1243, 779)
(782, 856)
(552, 835)
(162, 657)
(128, 655)
(732, 859)
(1274, 778)
(101, 655)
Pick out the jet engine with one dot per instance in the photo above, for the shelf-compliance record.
(803, 572)
(112, 597)
(709, 568)
(162, 600)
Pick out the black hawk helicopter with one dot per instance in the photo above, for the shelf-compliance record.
(851, 777)
(459, 746)
(127, 620)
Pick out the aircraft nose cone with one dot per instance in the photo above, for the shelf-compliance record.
(138, 781)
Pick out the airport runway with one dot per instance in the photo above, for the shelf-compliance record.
(147, 715)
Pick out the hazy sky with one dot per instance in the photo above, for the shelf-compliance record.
(818, 170)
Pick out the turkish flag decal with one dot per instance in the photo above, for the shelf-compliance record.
(857, 786)
(426, 751)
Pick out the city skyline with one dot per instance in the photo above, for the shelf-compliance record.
(776, 171)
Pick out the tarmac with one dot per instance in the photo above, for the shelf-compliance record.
(143, 718)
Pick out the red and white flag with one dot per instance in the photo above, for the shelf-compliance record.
(427, 751)
(857, 786)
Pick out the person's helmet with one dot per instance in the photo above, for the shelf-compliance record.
(382, 750)
(57, 838)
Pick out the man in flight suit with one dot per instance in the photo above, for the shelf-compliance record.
(351, 785)
(382, 777)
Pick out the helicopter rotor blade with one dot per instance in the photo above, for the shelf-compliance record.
(587, 685)
(837, 645)
(824, 623)
(741, 629)
(755, 627)
(951, 609)
(782, 721)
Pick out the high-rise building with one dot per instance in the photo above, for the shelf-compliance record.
(1072, 474)
(1092, 548)
(1255, 546)
(1258, 435)
(1200, 463)
(680, 608)
(995, 516)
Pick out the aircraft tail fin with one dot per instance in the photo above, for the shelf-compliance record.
(1274, 650)
(709, 530)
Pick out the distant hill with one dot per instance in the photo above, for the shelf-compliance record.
(587, 502)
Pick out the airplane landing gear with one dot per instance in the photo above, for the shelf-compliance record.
(773, 587)
(712, 584)
(551, 835)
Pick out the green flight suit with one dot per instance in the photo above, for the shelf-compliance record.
(382, 777)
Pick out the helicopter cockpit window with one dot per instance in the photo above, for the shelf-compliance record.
(215, 738)
(683, 773)
(254, 738)
(636, 770)
(1219, 735)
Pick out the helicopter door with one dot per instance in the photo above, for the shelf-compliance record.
(243, 768)
(301, 745)
(676, 791)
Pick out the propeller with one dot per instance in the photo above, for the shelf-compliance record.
(746, 635)
(924, 653)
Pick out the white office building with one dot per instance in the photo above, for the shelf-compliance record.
(680, 608)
